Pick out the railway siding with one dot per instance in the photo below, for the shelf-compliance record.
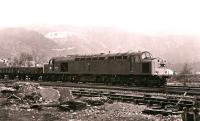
(138, 99)
(167, 99)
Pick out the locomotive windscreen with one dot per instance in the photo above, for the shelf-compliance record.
(146, 55)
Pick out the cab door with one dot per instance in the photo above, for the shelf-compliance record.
(146, 67)
(135, 64)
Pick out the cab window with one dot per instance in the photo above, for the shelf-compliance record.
(51, 61)
(143, 56)
(146, 55)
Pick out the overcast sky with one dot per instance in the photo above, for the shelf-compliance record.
(148, 16)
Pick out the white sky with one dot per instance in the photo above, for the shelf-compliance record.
(148, 16)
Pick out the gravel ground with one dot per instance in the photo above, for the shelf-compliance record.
(15, 110)
(116, 111)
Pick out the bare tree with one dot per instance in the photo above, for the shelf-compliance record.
(15, 61)
(24, 59)
(38, 57)
(186, 69)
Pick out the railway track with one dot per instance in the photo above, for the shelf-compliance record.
(178, 90)
(165, 104)
(192, 91)
(94, 86)
(139, 99)
(173, 97)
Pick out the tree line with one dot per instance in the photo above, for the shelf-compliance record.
(24, 59)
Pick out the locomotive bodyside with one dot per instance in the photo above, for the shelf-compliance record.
(100, 64)
(139, 68)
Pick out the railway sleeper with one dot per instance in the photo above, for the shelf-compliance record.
(139, 99)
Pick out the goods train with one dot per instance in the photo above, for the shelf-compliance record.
(134, 68)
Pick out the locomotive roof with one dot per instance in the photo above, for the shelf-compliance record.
(110, 54)
(73, 57)
(62, 58)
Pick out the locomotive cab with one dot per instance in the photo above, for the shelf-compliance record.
(154, 66)
(141, 63)
(49, 67)
(58, 65)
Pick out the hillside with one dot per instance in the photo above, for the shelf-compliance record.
(177, 49)
(13, 41)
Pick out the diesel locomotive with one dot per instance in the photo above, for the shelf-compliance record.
(133, 68)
